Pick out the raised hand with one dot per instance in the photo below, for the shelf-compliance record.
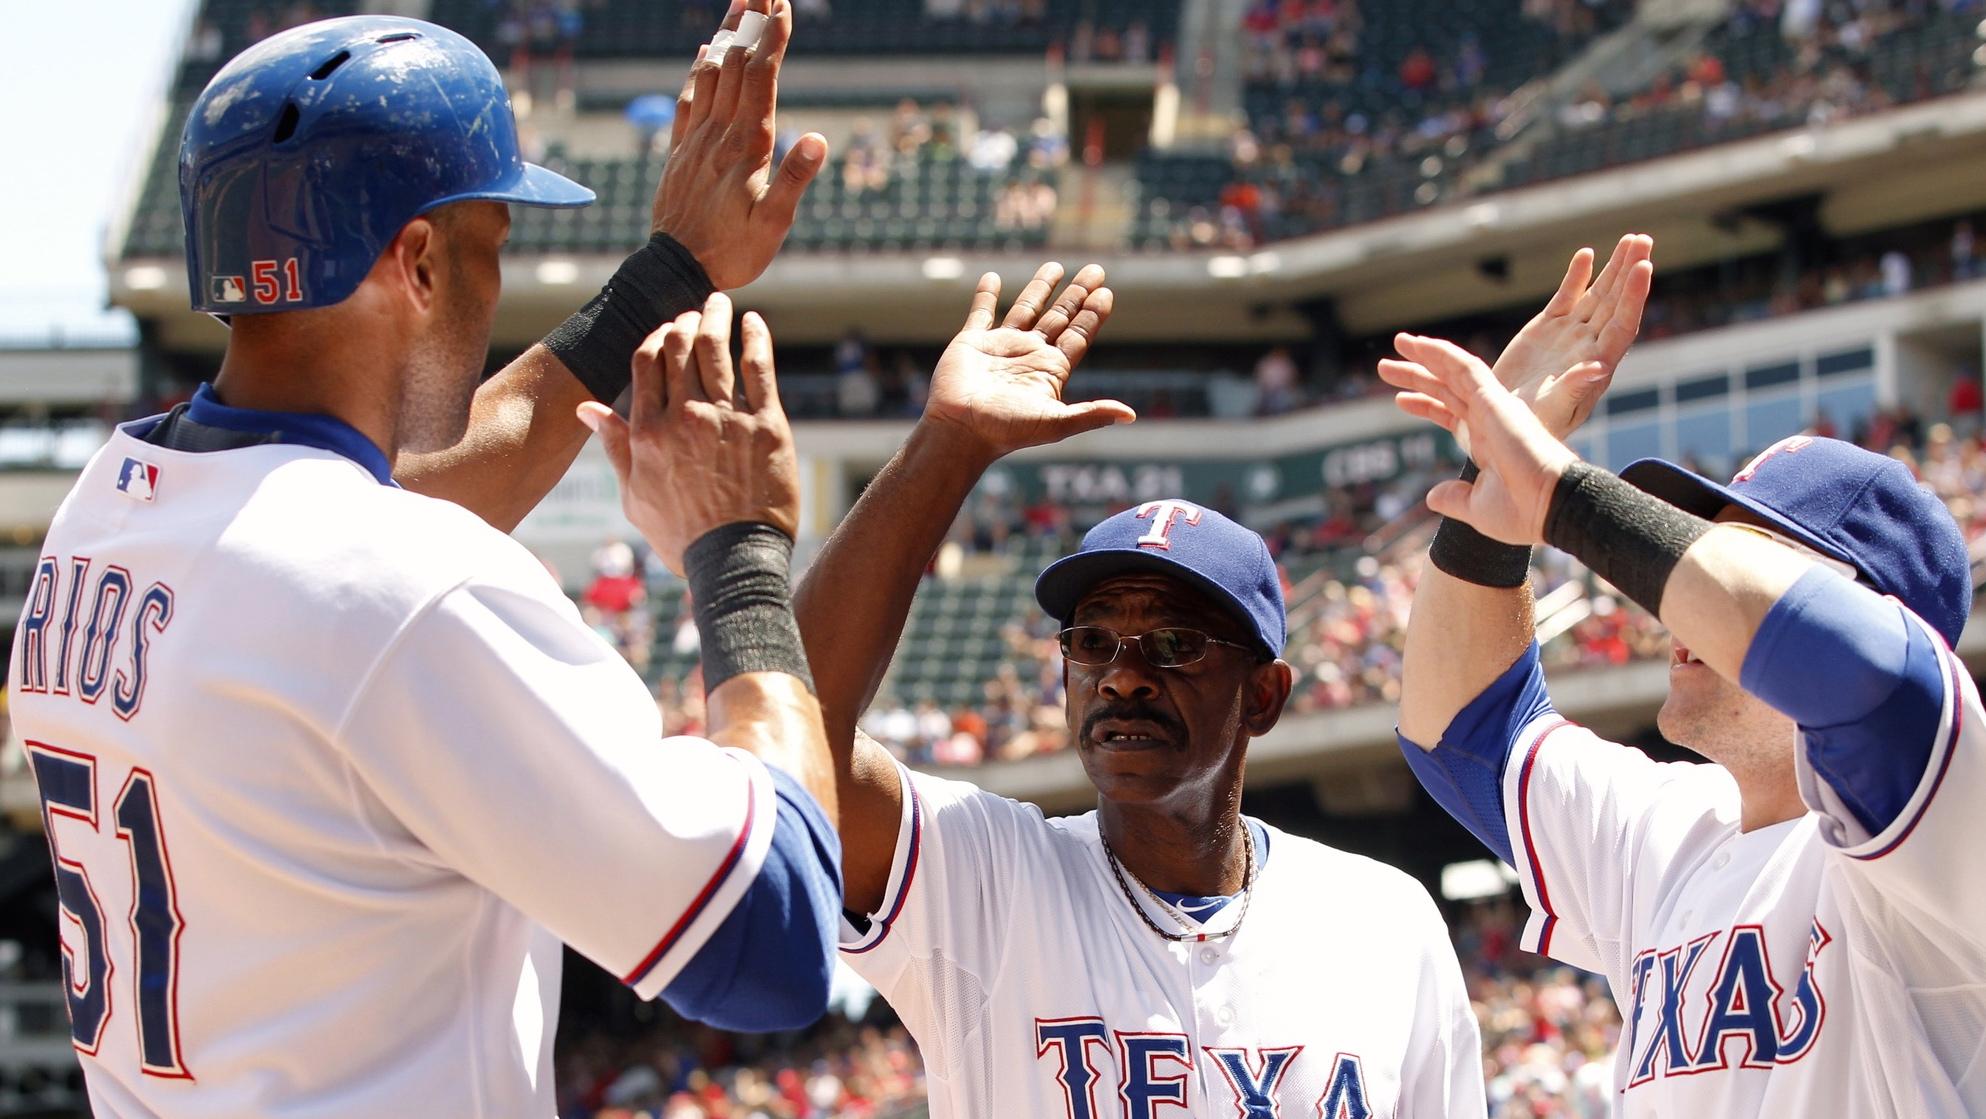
(1001, 387)
(691, 457)
(1521, 461)
(1565, 357)
(719, 195)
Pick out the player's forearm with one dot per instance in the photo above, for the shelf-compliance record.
(1471, 621)
(772, 715)
(1460, 638)
(1720, 592)
(522, 437)
(857, 593)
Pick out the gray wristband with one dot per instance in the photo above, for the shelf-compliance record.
(1629, 538)
(744, 604)
(1461, 551)
(660, 281)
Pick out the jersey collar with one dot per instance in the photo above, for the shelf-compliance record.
(326, 433)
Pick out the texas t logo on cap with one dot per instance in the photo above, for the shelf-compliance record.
(1791, 445)
(1163, 515)
(1228, 562)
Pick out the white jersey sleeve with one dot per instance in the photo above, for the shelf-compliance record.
(959, 851)
(501, 740)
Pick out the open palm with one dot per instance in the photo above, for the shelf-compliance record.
(1002, 385)
(1521, 460)
(1564, 358)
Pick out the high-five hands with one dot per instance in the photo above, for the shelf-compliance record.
(1565, 357)
(719, 194)
(1001, 387)
(1521, 461)
(690, 457)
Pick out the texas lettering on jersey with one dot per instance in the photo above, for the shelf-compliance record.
(70, 631)
(1695, 1010)
(1153, 1070)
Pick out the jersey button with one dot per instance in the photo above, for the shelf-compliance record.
(1723, 859)
(1225, 1015)
(1208, 955)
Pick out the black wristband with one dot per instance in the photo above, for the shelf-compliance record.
(744, 605)
(1629, 538)
(1470, 556)
(660, 281)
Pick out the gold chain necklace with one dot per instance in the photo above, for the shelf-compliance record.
(1247, 892)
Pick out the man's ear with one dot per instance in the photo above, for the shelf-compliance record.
(411, 263)
(1269, 688)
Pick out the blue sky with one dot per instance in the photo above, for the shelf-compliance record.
(81, 83)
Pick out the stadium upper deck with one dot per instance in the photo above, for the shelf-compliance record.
(1298, 173)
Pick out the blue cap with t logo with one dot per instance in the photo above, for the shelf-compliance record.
(1842, 501)
(1228, 562)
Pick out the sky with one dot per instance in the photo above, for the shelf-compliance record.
(82, 83)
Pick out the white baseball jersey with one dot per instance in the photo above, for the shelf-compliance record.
(329, 770)
(1014, 957)
(1807, 968)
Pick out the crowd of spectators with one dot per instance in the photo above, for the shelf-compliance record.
(1426, 112)
(1549, 1032)
(1761, 289)
(916, 135)
(1749, 290)
(1020, 714)
(1822, 77)
(835, 1069)
(1432, 115)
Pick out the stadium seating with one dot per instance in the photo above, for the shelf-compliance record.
(623, 28)
(934, 204)
(240, 24)
(952, 643)
(1927, 58)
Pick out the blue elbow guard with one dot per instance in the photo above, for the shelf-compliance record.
(1865, 683)
(769, 965)
(1464, 774)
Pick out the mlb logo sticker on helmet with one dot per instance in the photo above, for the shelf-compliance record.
(228, 289)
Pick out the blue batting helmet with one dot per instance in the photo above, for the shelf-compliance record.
(309, 151)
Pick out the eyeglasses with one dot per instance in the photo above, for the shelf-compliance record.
(1170, 647)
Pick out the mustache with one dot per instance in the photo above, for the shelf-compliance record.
(1127, 710)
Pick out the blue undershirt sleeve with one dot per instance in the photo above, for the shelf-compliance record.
(1464, 773)
(769, 965)
(1863, 680)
